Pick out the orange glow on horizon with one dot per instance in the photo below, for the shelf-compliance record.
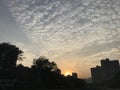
(67, 73)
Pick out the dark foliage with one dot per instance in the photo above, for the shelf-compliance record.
(43, 64)
(9, 54)
(43, 74)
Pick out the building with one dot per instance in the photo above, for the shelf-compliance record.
(106, 71)
(74, 75)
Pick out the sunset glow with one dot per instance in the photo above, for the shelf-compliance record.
(67, 73)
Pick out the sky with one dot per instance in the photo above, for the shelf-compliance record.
(76, 34)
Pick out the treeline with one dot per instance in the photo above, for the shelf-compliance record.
(43, 74)
(34, 78)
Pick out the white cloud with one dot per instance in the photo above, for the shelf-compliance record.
(62, 26)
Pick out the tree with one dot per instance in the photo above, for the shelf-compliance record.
(43, 64)
(47, 73)
(9, 54)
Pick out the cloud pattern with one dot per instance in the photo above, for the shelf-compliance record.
(68, 26)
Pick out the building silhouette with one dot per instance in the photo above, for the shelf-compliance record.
(74, 75)
(106, 71)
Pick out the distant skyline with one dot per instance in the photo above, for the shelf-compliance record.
(76, 34)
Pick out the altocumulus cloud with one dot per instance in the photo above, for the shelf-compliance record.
(68, 25)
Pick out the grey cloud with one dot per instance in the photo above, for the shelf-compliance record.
(62, 23)
(93, 49)
(69, 29)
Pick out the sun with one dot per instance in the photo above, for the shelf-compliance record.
(67, 73)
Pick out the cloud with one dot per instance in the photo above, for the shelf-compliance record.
(57, 23)
(63, 26)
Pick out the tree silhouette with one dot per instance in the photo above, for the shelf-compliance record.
(47, 73)
(42, 74)
(43, 64)
(9, 54)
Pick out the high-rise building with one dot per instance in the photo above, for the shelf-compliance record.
(106, 71)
